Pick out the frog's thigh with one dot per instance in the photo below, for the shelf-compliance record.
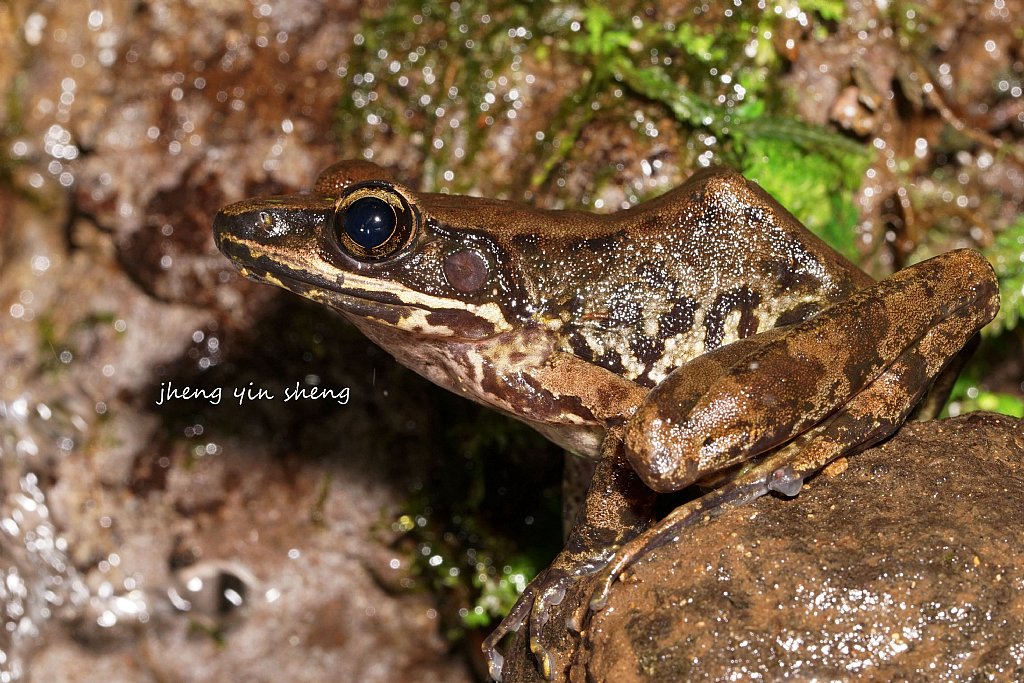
(752, 396)
(935, 400)
(871, 415)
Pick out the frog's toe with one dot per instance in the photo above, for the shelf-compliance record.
(599, 598)
(534, 607)
(495, 661)
(515, 619)
(786, 481)
(550, 597)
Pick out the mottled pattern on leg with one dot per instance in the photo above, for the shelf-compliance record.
(869, 417)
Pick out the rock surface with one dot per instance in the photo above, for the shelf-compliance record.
(908, 565)
(145, 539)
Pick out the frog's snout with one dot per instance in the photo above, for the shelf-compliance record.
(225, 225)
(242, 221)
(272, 220)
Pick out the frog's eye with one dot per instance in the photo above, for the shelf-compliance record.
(369, 222)
(373, 222)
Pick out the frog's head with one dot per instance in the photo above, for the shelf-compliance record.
(378, 252)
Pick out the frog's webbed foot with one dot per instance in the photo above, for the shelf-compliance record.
(534, 609)
(536, 606)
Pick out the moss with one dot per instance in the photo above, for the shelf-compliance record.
(433, 73)
(429, 72)
(487, 521)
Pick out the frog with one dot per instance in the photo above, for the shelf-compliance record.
(703, 337)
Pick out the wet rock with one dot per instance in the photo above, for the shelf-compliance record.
(908, 565)
(190, 541)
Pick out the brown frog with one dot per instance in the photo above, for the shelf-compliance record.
(703, 336)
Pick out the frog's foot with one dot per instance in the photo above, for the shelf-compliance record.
(534, 608)
(616, 508)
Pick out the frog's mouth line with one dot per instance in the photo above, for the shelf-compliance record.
(374, 299)
(362, 302)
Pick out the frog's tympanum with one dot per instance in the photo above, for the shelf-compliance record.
(703, 336)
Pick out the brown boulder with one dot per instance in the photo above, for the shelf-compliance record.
(908, 565)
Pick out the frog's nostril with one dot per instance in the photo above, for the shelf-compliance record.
(223, 226)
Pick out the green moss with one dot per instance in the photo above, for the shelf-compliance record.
(435, 74)
(316, 514)
(432, 72)
(815, 187)
(1007, 257)
(488, 522)
(811, 170)
(1002, 337)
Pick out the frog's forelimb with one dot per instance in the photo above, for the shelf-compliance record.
(616, 508)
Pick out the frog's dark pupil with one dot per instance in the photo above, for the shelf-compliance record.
(369, 222)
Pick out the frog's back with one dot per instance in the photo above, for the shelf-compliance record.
(715, 260)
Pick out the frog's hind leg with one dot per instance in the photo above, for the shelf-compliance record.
(740, 401)
(870, 416)
(855, 427)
